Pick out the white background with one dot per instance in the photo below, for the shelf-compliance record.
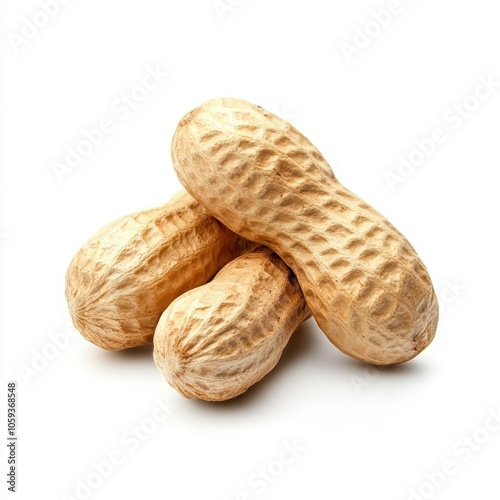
(362, 432)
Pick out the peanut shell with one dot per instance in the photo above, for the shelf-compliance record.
(125, 276)
(217, 340)
(363, 281)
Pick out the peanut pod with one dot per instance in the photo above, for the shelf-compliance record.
(125, 276)
(362, 280)
(217, 340)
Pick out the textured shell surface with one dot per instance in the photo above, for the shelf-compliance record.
(217, 340)
(119, 283)
(364, 283)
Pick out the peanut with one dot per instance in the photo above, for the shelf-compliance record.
(362, 280)
(125, 276)
(217, 340)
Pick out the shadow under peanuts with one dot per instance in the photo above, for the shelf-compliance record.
(412, 368)
(141, 352)
(300, 344)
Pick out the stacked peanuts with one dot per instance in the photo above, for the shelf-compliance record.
(286, 239)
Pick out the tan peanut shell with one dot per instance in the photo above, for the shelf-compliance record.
(217, 340)
(363, 281)
(125, 276)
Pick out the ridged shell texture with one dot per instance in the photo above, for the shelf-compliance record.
(362, 280)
